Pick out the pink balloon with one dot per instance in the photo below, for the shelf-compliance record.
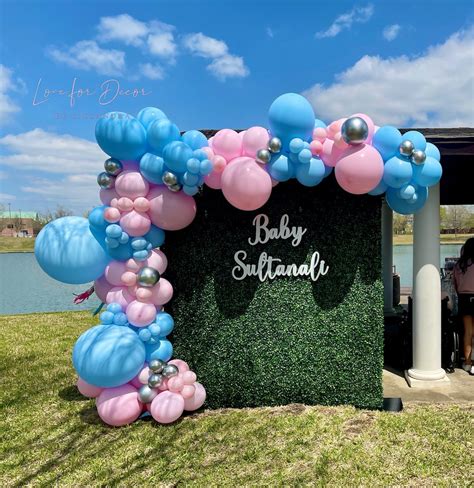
(197, 400)
(180, 364)
(187, 391)
(119, 406)
(157, 260)
(89, 391)
(214, 180)
(107, 195)
(125, 204)
(129, 278)
(119, 294)
(143, 375)
(245, 184)
(167, 407)
(143, 294)
(189, 377)
(208, 151)
(331, 153)
(219, 163)
(140, 314)
(339, 142)
(101, 288)
(316, 148)
(175, 384)
(162, 292)
(114, 271)
(171, 210)
(112, 215)
(320, 134)
(370, 125)
(227, 143)
(141, 204)
(254, 139)
(334, 128)
(135, 223)
(360, 169)
(131, 184)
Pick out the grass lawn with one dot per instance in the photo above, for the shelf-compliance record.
(52, 435)
(444, 238)
(16, 244)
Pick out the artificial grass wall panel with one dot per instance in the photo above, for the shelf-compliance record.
(290, 339)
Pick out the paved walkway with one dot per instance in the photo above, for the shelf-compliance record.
(460, 389)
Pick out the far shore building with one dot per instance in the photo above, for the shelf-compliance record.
(19, 224)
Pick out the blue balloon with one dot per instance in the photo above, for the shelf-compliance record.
(407, 191)
(67, 251)
(290, 116)
(176, 155)
(281, 168)
(319, 123)
(148, 115)
(328, 170)
(387, 140)
(190, 179)
(160, 133)
(155, 236)
(417, 138)
(114, 231)
(428, 173)
(406, 207)
(121, 136)
(166, 323)
(296, 145)
(432, 151)
(397, 172)
(163, 350)
(108, 355)
(114, 307)
(195, 139)
(379, 189)
(152, 167)
(310, 174)
(190, 190)
(96, 218)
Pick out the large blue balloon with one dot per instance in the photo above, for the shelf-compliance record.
(96, 218)
(290, 116)
(417, 138)
(67, 251)
(152, 167)
(155, 236)
(160, 133)
(428, 173)
(176, 155)
(195, 139)
(397, 172)
(121, 136)
(432, 151)
(387, 140)
(310, 174)
(108, 355)
(281, 169)
(149, 114)
(406, 207)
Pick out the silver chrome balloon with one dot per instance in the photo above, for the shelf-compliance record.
(155, 380)
(406, 148)
(146, 394)
(169, 178)
(354, 130)
(148, 277)
(274, 145)
(175, 188)
(418, 156)
(105, 180)
(156, 365)
(170, 370)
(263, 156)
(113, 166)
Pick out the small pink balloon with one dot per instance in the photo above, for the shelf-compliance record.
(135, 223)
(162, 292)
(254, 139)
(131, 184)
(210, 141)
(320, 134)
(208, 151)
(180, 364)
(107, 195)
(143, 294)
(171, 210)
(331, 153)
(89, 391)
(360, 169)
(370, 125)
(167, 407)
(245, 184)
(188, 391)
(164, 385)
(119, 406)
(140, 314)
(197, 400)
(114, 271)
(121, 295)
(141, 204)
(129, 278)
(316, 147)
(227, 143)
(219, 163)
(114, 203)
(133, 265)
(102, 287)
(334, 128)
(214, 180)
(189, 377)
(175, 384)
(156, 260)
(112, 215)
(125, 204)
(339, 142)
(143, 375)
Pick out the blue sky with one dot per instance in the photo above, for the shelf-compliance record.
(213, 65)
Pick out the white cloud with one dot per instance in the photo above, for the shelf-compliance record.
(42, 151)
(87, 55)
(223, 65)
(358, 15)
(9, 84)
(390, 33)
(270, 32)
(123, 28)
(5, 197)
(434, 89)
(152, 71)
(162, 44)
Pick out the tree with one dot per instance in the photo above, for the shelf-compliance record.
(45, 218)
(401, 224)
(457, 218)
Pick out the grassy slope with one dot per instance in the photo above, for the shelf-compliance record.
(51, 435)
(444, 239)
(16, 244)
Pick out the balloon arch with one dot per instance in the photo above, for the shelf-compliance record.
(147, 188)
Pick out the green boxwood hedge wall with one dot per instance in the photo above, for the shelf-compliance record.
(290, 339)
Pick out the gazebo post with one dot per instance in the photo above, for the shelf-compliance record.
(426, 370)
(387, 257)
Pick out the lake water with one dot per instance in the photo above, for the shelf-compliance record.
(25, 288)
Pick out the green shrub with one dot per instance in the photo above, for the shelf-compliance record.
(290, 339)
